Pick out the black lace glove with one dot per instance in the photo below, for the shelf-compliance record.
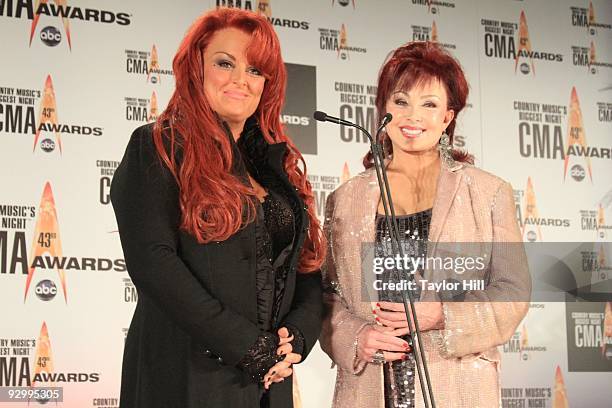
(298, 339)
(261, 357)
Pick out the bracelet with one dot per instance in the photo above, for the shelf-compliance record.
(356, 342)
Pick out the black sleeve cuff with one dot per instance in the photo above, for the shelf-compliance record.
(298, 339)
(261, 357)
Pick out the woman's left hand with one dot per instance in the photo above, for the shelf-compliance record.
(282, 369)
(390, 314)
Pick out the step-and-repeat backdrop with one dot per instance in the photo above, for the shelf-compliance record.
(77, 77)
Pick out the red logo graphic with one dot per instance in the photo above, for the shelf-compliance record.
(43, 359)
(559, 393)
(346, 174)
(48, 113)
(524, 42)
(46, 238)
(61, 3)
(153, 111)
(154, 69)
(575, 135)
(531, 213)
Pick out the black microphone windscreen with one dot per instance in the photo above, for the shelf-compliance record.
(387, 118)
(320, 116)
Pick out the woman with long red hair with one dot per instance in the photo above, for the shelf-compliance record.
(218, 228)
(439, 197)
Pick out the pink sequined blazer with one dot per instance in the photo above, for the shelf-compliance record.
(471, 205)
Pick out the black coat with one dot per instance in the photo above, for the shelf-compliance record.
(196, 315)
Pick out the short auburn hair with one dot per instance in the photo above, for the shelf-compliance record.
(415, 63)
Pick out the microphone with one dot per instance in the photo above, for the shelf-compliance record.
(384, 122)
(324, 117)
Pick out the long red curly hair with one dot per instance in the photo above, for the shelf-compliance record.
(212, 199)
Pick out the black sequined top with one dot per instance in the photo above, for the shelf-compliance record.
(274, 233)
(274, 239)
(414, 231)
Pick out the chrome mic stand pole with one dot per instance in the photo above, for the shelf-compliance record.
(392, 227)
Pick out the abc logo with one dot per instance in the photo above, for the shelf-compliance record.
(46, 290)
(47, 145)
(531, 236)
(577, 172)
(525, 68)
(50, 36)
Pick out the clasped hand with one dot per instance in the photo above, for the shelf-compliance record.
(393, 325)
(282, 369)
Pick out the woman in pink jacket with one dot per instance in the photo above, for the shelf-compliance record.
(439, 197)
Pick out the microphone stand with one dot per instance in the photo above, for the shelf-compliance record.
(392, 227)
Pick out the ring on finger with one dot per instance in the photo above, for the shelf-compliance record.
(378, 357)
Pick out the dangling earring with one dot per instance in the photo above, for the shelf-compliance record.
(445, 149)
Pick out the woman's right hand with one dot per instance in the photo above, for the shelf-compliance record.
(374, 337)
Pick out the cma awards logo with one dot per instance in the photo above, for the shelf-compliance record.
(60, 9)
(141, 109)
(529, 217)
(47, 254)
(596, 261)
(424, 33)
(18, 370)
(590, 337)
(543, 137)
(594, 64)
(500, 42)
(146, 63)
(338, 42)
(264, 7)
(594, 220)
(587, 57)
(582, 17)
(433, 6)
(48, 122)
(519, 344)
(18, 116)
